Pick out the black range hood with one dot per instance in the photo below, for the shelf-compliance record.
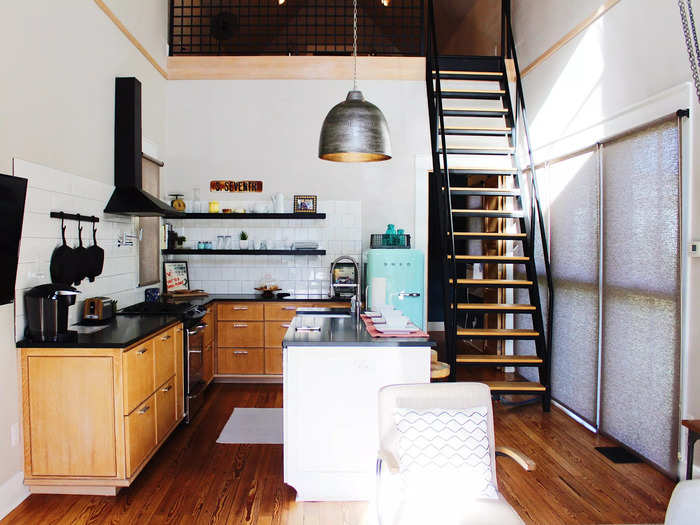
(128, 197)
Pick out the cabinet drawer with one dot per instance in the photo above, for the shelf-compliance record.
(236, 333)
(241, 361)
(281, 311)
(138, 375)
(166, 411)
(273, 360)
(164, 345)
(240, 311)
(140, 434)
(274, 333)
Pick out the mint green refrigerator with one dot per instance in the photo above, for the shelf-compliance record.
(397, 277)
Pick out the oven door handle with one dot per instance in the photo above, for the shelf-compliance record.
(193, 332)
(194, 351)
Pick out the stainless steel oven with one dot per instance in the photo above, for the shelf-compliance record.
(194, 382)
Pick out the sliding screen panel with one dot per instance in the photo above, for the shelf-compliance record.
(641, 286)
(574, 192)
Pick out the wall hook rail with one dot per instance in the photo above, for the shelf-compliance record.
(74, 217)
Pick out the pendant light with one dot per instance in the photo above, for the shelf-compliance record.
(354, 130)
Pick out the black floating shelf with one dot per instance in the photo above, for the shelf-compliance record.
(243, 252)
(247, 216)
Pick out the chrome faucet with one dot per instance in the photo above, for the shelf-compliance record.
(357, 298)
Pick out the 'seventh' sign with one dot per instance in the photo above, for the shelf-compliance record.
(236, 186)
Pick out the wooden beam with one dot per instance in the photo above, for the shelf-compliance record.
(294, 67)
(110, 14)
(581, 27)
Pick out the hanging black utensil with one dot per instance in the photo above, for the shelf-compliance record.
(63, 262)
(81, 258)
(96, 257)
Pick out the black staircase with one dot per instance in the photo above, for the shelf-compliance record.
(489, 210)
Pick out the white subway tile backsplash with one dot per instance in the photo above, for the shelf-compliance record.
(54, 190)
(339, 234)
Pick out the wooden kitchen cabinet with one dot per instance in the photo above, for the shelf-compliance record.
(93, 417)
(249, 311)
(243, 361)
(249, 335)
(237, 333)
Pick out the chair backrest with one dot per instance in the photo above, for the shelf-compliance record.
(425, 396)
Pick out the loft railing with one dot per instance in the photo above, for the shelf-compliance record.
(295, 27)
(536, 215)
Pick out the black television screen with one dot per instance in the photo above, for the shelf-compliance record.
(13, 191)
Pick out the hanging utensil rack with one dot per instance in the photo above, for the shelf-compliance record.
(74, 217)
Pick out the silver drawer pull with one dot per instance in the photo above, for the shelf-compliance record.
(290, 308)
(240, 326)
(194, 352)
(165, 338)
(285, 325)
(240, 352)
(179, 330)
(167, 388)
(308, 329)
(145, 409)
(142, 351)
(240, 307)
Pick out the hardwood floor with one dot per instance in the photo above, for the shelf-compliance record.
(194, 480)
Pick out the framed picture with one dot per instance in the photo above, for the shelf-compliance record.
(305, 204)
(175, 276)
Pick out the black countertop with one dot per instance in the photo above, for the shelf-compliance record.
(342, 331)
(123, 331)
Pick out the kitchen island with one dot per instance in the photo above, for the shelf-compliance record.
(332, 372)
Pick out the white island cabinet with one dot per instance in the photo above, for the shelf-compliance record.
(331, 381)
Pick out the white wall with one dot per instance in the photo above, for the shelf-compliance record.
(58, 67)
(268, 130)
(631, 62)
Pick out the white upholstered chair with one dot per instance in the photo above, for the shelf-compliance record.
(684, 507)
(437, 456)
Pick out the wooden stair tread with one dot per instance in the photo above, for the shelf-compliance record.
(495, 306)
(498, 359)
(475, 91)
(477, 148)
(496, 192)
(487, 258)
(489, 234)
(483, 73)
(479, 128)
(515, 386)
(491, 110)
(504, 214)
(486, 282)
(477, 170)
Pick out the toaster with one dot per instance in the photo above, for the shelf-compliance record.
(99, 308)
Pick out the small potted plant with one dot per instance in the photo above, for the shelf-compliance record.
(244, 241)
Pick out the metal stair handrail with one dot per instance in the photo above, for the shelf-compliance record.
(509, 51)
(442, 189)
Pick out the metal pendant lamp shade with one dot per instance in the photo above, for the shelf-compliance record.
(355, 131)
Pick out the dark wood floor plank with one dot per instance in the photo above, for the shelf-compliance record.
(192, 479)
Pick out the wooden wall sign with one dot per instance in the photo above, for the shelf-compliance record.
(236, 186)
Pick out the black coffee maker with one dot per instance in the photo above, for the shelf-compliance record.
(47, 312)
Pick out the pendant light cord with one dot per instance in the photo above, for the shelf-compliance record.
(354, 44)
